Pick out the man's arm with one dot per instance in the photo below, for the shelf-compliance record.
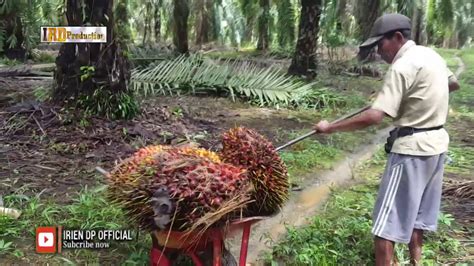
(365, 119)
(387, 103)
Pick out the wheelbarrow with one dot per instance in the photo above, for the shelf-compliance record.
(179, 242)
(171, 242)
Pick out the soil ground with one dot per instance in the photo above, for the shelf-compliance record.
(53, 151)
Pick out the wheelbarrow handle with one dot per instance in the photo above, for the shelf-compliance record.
(314, 131)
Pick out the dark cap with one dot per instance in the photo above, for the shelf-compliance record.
(386, 24)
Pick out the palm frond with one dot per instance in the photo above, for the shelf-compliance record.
(195, 74)
(6, 6)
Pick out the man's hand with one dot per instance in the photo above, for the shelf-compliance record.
(367, 118)
(323, 127)
(453, 85)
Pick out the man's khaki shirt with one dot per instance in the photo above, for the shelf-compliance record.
(416, 94)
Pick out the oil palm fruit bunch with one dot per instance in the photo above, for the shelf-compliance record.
(200, 187)
(124, 171)
(125, 176)
(248, 149)
(197, 183)
(124, 181)
(212, 156)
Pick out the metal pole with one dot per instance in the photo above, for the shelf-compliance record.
(314, 131)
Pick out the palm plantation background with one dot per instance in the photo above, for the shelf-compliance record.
(140, 30)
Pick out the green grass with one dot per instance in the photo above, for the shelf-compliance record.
(43, 58)
(461, 159)
(449, 56)
(9, 62)
(331, 239)
(339, 95)
(464, 97)
(89, 210)
(308, 155)
(250, 52)
(241, 54)
(323, 153)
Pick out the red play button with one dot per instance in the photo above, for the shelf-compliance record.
(46, 239)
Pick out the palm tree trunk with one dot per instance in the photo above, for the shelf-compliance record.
(417, 23)
(263, 25)
(121, 21)
(214, 20)
(343, 22)
(157, 18)
(147, 28)
(181, 14)
(286, 23)
(111, 68)
(202, 22)
(12, 24)
(249, 10)
(304, 59)
(430, 21)
(366, 14)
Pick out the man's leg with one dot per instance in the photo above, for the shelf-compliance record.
(415, 246)
(427, 217)
(397, 204)
(383, 251)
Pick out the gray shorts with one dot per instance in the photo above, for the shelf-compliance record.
(409, 196)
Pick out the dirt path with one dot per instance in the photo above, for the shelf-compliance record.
(305, 204)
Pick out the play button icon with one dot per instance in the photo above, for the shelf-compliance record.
(46, 239)
(46, 243)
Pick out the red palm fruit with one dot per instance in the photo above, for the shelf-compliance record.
(187, 169)
(247, 149)
(190, 177)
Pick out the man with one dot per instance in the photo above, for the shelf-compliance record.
(415, 95)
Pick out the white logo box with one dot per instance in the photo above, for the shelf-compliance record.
(73, 34)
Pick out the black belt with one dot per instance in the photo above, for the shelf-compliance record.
(407, 131)
(399, 132)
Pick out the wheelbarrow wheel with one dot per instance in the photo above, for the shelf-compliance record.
(227, 258)
(180, 259)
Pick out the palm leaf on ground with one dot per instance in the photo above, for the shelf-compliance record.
(195, 74)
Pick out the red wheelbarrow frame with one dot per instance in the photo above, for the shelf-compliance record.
(182, 242)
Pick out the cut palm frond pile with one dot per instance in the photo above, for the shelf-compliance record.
(458, 190)
(196, 74)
